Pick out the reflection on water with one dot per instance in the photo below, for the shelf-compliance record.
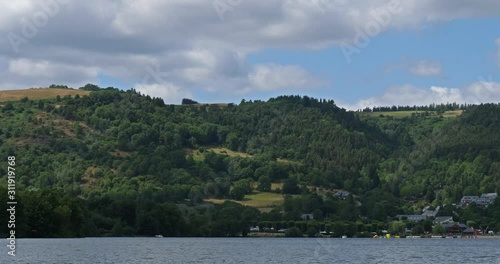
(254, 250)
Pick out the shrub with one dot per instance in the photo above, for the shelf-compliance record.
(293, 232)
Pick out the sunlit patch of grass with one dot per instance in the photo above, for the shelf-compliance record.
(275, 186)
(228, 152)
(264, 201)
(36, 94)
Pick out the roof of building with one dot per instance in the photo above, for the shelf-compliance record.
(470, 197)
(430, 213)
(469, 230)
(457, 224)
(489, 195)
(443, 219)
(413, 217)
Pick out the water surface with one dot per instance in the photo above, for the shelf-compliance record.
(254, 250)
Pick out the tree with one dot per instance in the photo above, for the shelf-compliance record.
(318, 215)
(196, 194)
(438, 229)
(8, 107)
(312, 230)
(293, 232)
(90, 87)
(187, 101)
(41, 105)
(290, 186)
(264, 184)
(397, 227)
(237, 192)
(418, 230)
(232, 141)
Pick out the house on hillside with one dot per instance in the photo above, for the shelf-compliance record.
(431, 213)
(490, 196)
(342, 194)
(412, 218)
(417, 218)
(469, 232)
(455, 228)
(443, 220)
(307, 217)
(484, 201)
(467, 200)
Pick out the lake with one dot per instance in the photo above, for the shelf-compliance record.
(254, 250)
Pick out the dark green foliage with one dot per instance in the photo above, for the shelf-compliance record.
(58, 86)
(293, 232)
(90, 87)
(290, 186)
(264, 183)
(187, 101)
(131, 161)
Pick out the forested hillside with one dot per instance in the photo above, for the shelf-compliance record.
(118, 163)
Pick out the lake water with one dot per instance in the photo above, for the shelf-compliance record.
(253, 250)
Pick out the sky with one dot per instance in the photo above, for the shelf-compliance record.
(360, 53)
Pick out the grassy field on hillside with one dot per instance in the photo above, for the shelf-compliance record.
(198, 156)
(230, 153)
(38, 93)
(264, 201)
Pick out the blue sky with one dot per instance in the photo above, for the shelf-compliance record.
(414, 52)
(465, 50)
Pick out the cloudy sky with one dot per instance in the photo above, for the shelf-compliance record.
(356, 52)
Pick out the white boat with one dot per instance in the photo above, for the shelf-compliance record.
(158, 236)
(344, 236)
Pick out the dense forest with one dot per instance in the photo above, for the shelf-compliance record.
(118, 163)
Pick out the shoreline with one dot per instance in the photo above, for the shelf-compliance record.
(489, 237)
(269, 235)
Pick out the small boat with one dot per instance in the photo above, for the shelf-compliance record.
(158, 236)
(344, 236)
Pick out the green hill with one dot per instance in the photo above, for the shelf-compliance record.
(118, 163)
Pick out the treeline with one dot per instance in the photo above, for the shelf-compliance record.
(121, 149)
(440, 108)
(51, 213)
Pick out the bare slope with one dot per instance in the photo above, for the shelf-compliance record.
(38, 93)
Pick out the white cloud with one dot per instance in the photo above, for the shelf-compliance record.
(47, 69)
(425, 68)
(170, 93)
(190, 44)
(24, 73)
(267, 77)
(483, 91)
(478, 92)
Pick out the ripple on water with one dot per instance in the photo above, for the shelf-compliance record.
(255, 250)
